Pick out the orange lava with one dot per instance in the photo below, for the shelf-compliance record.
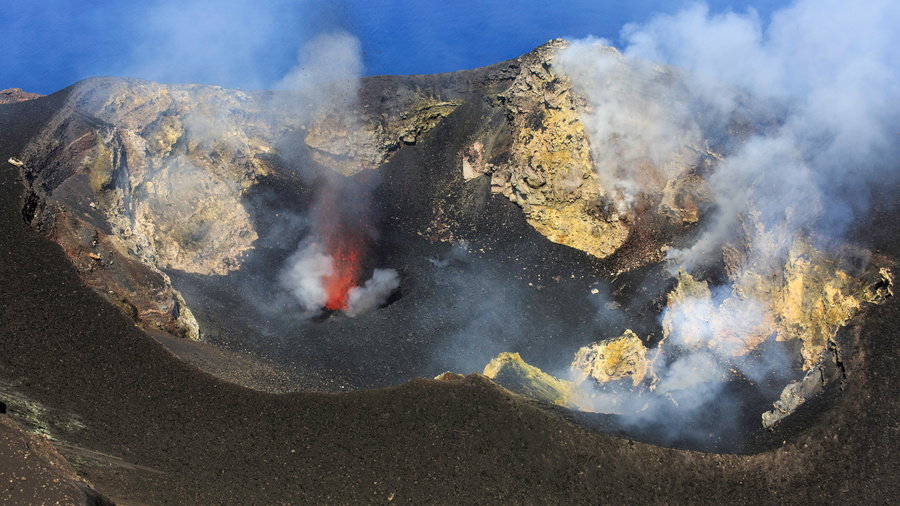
(346, 251)
(343, 231)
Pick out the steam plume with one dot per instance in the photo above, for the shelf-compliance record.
(303, 273)
(331, 57)
(837, 135)
(830, 71)
(374, 293)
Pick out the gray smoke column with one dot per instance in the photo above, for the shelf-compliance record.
(326, 270)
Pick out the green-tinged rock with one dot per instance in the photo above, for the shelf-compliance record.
(510, 371)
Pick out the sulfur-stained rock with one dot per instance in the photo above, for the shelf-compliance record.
(790, 291)
(845, 294)
(804, 292)
(807, 297)
(583, 161)
(510, 371)
(550, 172)
(818, 297)
(613, 359)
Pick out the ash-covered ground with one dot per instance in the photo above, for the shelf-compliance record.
(475, 280)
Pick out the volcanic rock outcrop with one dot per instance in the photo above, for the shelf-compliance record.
(548, 165)
(134, 178)
(13, 95)
(140, 182)
(513, 373)
(613, 359)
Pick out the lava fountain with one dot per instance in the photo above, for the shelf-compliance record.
(346, 245)
(327, 270)
(344, 232)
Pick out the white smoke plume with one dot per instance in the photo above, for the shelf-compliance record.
(838, 131)
(373, 293)
(831, 72)
(808, 176)
(835, 63)
(303, 273)
(634, 140)
(331, 57)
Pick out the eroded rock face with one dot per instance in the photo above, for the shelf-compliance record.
(166, 167)
(585, 160)
(509, 370)
(133, 177)
(349, 143)
(803, 296)
(794, 395)
(13, 95)
(681, 197)
(815, 297)
(624, 357)
(545, 165)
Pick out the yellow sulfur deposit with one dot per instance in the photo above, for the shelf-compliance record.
(510, 371)
(613, 359)
(808, 297)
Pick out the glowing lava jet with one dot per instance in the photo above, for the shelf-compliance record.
(327, 270)
(346, 249)
(344, 233)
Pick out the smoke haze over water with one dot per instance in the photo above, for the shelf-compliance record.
(251, 45)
